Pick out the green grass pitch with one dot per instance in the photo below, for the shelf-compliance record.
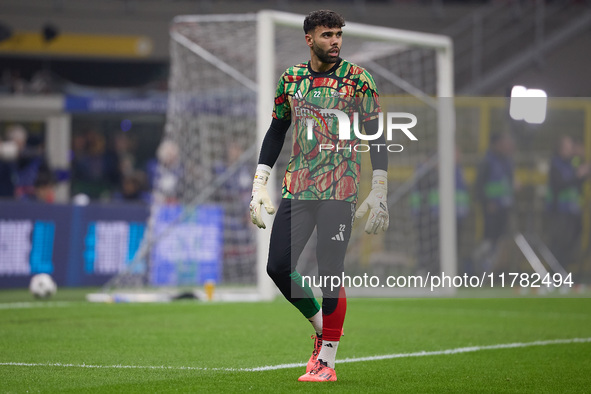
(116, 342)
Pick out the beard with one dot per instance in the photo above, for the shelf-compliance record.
(324, 55)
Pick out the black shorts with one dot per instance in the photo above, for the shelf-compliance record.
(293, 225)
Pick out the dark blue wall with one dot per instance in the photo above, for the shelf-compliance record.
(60, 240)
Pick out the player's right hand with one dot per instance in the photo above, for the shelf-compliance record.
(260, 196)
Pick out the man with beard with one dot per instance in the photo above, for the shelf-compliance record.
(320, 185)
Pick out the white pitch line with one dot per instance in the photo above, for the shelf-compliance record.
(38, 304)
(423, 353)
(468, 349)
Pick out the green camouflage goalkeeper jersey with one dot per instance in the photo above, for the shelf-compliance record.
(322, 166)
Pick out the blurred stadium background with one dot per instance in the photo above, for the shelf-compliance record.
(84, 96)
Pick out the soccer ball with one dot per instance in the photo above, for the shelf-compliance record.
(42, 286)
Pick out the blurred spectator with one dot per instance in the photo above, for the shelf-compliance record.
(44, 187)
(95, 169)
(16, 84)
(425, 209)
(235, 194)
(133, 188)
(567, 173)
(6, 179)
(8, 155)
(42, 82)
(494, 190)
(165, 172)
(112, 168)
(578, 152)
(29, 163)
(239, 184)
(124, 147)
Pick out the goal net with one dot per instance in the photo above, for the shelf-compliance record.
(224, 70)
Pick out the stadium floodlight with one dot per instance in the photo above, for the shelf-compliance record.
(528, 104)
(224, 70)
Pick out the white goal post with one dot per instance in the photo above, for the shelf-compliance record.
(224, 71)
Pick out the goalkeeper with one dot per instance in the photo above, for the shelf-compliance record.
(321, 181)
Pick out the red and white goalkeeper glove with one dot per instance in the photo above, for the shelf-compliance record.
(260, 196)
(376, 203)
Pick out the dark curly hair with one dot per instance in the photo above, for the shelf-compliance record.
(326, 18)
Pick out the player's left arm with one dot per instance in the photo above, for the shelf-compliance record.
(376, 202)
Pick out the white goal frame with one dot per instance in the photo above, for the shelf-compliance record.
(266, 81)
(264, 86)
